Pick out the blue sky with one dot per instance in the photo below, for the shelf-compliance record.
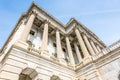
(100, 16)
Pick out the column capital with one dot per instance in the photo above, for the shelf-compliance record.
(75, 27)
(81, 32)
(46, 22)
(57, 30)
(90, 39)
(66, 35)
(33, 12)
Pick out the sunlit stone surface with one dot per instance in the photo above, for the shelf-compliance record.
(42, 48)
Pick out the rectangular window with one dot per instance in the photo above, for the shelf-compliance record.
(54, 44)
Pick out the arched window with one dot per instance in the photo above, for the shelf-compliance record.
(24, 77)
(28, 74)
(54, 77)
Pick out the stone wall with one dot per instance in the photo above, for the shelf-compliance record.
(18, 61)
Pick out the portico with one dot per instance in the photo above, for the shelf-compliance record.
(51, 36)
(54, 50)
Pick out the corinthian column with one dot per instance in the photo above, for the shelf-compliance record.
(45, 37)
(82, 44)
(70, 52)
(27, 27)
(88, 44)
(77, 52)
(94, 47)
(59, 48)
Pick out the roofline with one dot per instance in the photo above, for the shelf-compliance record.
(86, 29)
(43, 10)
(69, 22)
(12, 32)
(56, 20)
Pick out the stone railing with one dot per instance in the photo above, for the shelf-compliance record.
(114, 46)
(107, 50)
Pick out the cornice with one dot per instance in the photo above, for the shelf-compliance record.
(85, 29)
(108, 58)
(39, 56)
(71, 21)
(45, 12)
(109, 54)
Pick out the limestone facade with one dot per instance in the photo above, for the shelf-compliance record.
(42, 48)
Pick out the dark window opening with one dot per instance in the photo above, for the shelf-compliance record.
(32, 32)
(54, 77)
(64, 49)
(54, 44)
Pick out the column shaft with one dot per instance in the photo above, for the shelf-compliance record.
(45, 37)
(88, 44)
(94, 47)
(82, 44)
(27, 27)
(70, 52)
(98, 48)
(78, 52)
(59, 47)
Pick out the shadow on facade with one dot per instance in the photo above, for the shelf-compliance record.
(28, 74)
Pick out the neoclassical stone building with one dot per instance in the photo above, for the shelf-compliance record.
(42, 48)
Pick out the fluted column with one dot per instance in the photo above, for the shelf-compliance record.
(88, 44)
(82, 44)
(77, 52)
(27, 27)
(59, 47)
(70, 51)
(94, 47)
(45, 37)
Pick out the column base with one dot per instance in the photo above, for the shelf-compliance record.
(21, 44)
(87, 60)
(70, 65)
(44, 53)
(62, 61)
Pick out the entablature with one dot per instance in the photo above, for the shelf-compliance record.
(65, 29)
